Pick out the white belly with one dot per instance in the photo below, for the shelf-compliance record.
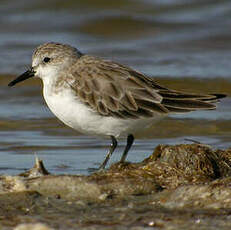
(80, 117)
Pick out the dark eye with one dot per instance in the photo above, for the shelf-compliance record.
(46, 59)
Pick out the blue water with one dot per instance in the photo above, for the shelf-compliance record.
(166, 39)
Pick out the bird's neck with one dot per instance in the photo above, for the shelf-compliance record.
(54, 85)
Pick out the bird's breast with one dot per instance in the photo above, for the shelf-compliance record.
(79, 116)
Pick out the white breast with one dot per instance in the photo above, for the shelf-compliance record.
(66, 106)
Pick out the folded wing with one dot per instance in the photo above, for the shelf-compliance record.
(115, 90)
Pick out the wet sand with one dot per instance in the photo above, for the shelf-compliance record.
(177, 187)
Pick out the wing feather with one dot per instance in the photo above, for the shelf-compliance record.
(115, 90)
(111, 90)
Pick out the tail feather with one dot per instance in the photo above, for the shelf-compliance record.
(188, 104)
(178, 110)
(179, 102)
(215, 98)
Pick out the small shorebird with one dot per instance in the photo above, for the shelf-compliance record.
(103, 98)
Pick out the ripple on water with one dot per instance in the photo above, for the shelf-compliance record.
(175, 41)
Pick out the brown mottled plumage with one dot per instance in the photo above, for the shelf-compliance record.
(115, 90)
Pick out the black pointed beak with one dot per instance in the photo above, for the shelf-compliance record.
(28, 74)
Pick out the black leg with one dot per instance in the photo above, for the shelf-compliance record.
(111, 150)
(130, 140)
